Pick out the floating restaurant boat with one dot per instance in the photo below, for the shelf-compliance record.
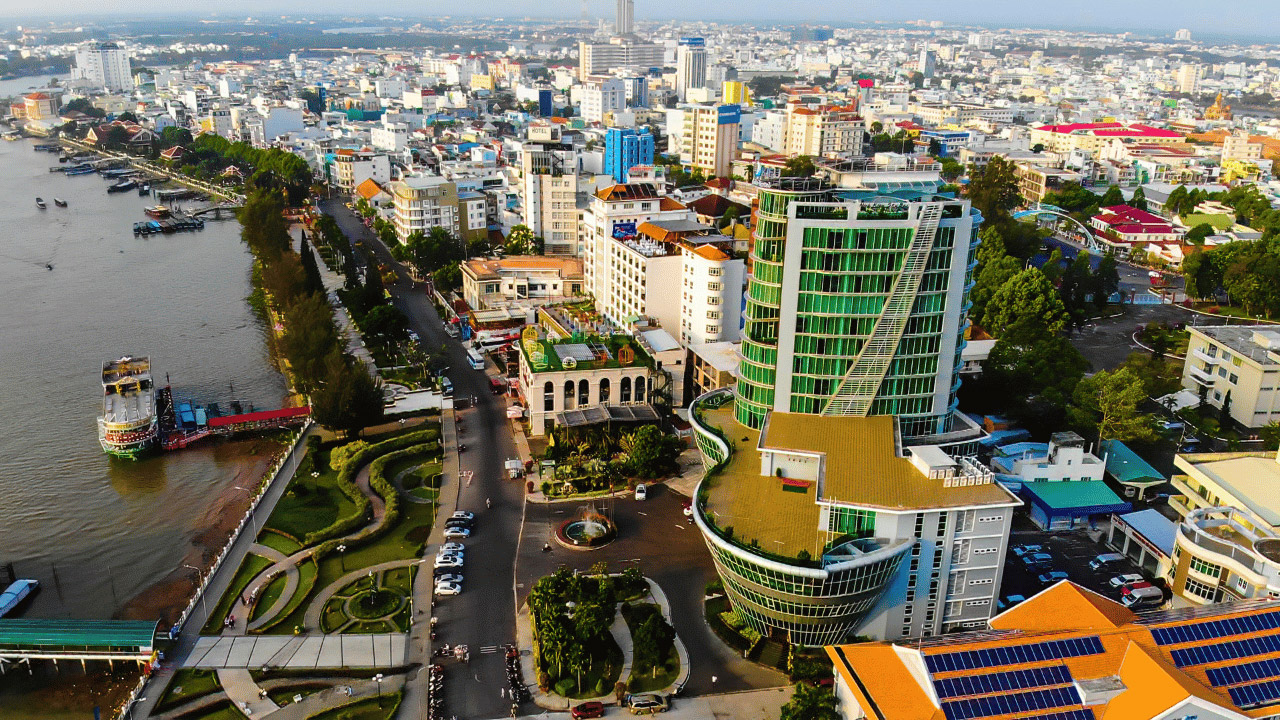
(128, 426)
(158, 212)
(122, 186)
(59, 202)
(17, 592)
(80, 170)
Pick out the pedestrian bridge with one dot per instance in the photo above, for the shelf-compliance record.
(23, 640)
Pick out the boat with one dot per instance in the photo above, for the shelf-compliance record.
(158, 212)
(144, 189)
(128, 426)
(79, 170)
(40, 203)
(13, 595)
(122, 186)
(59, 202)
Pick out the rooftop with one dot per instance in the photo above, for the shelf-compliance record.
(863, 469)
(1243, 340)
(590, 353)
(1251, 477)
(1070, 651)
(495, 269)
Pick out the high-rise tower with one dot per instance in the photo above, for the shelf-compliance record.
(624, 20)
(856, 304)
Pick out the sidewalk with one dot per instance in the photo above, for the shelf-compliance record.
(244, 692)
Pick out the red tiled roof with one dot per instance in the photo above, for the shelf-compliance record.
(1112, 129)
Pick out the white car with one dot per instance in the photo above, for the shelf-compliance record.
(1126, 579)
(449, 561)
(448, 588)
(450, 578)
(457, 533)
(451, 548)
(463, 515)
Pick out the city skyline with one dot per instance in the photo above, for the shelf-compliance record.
(1142, 18)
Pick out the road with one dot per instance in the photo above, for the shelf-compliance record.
(1133, 278)
(480, 617)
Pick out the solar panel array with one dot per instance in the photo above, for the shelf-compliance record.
(1263, 693)
(1234, 650)
(1001, 682)
(1214, 629)
(1245, 672)
(1013, 654)
(1010, 703)
(1078, 714)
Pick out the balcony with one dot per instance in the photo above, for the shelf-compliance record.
(1203, 356)
(1200, 376)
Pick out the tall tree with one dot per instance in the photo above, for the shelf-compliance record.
(994, 190)
(1112, 197)
(1075, 287)
(1106, 405)
(349, 400)
(310, 268)
(1139, 199)
(810, 703)
(1027, 304)
(1105, 281)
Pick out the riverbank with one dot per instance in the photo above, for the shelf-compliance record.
(156, 170)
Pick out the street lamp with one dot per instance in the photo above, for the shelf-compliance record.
(378, 679)
(200, 573)
(342, 557)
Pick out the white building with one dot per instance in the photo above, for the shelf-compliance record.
(352, 167)
(600, 99)
(550, 189)
(710, 295)
(705, 136)
(106, 65)
(392, 137)
(1067, 459)
(691, 66)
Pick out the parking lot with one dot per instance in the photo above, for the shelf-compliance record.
(1071, 551)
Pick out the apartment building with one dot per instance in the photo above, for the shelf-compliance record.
(106, 65)
(602, 99)
(422, 203)
(549, 184)
(351, 167)
(705, 136)
(1241, 362)
(823, 132)
(520, 281)
(619, 53)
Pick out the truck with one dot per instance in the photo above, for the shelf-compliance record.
(515, 470)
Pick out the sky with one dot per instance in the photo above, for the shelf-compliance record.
(1233, 17)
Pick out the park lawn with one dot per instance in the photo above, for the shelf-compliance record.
(278, 542)
(270, 594)
(249, 569)
(296, 610)
(284, 695)
(333, 616)
(188, 684)
(400, 578)
(375, 708)
(310, 504)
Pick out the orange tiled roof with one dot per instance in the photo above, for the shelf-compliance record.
(1132, 678)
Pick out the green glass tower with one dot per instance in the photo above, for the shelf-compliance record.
(857, 304)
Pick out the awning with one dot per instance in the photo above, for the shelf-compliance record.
(606, 413)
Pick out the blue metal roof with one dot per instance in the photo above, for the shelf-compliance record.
(1091, 497)
(1156, 528)
(1125, 465)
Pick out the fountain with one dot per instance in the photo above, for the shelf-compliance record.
(588, 531)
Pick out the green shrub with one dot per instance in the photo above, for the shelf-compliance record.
(602, 687)
(343, 454)
(564, 687)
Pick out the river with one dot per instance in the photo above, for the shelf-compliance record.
(108, 537)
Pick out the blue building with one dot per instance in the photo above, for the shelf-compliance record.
(624, 149)
(545, 108)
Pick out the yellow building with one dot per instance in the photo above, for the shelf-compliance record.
(1094, 137)
(733, 91)
(481, 82)
(1242, 361)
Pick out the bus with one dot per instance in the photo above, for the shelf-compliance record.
(476, 359)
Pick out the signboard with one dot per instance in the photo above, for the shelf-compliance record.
(729, 114)
(624, 230)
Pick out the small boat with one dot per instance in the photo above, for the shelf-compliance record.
(144, 189)
(79, 170)
(122, 186)
(40, 203)
(59, 202)
(13, 596)
(158, 211)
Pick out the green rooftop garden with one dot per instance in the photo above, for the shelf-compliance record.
(544, 358)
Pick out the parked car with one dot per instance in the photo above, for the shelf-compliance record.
(1139, 585)
(646, 704)
(1035, 560)
(449, 561)
(458, 522)
(452, 577)
(1020, 550)
(1052, 577)
(1105, 560)
(589, 709)
(1009, 601)
(448, 588)
(1140, 597)
(451, 548)
(463, 515)
(457, 532)
(641, 492)
(1126, 579)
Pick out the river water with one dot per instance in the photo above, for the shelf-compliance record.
(109, 537)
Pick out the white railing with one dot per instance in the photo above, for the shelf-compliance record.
(285, 466)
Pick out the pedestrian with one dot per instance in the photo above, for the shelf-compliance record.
(713, 680)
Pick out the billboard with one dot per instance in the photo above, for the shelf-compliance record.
(624, 230)
(729, 114)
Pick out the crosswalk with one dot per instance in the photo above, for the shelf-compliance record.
(489, 649)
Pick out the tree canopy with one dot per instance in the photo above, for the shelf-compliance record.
(1106, 405)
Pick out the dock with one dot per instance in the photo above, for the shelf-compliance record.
(183, 423)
